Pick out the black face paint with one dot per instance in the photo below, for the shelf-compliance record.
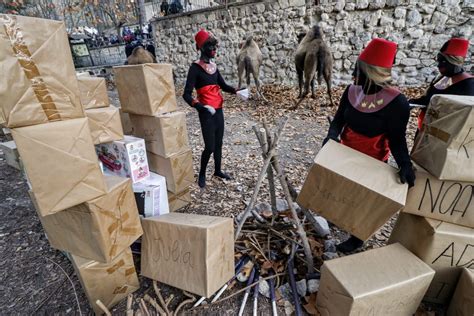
(446, 68)
(360, 79)
(209, 49)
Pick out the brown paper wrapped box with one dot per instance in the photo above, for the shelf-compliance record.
(444, 200)
(383, 281)
(180, 200)
(99, 229)
(177, 169)
(356, 192)
(126, 122)
(93, 92)
(61, 164)
(105, 124)
(164, 134)
(445, 145)
(146, 89)
(445, 247)
(38, 78)
(462, 303)
(108, 282)
(192, 252)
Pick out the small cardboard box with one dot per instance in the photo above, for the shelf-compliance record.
(448, 201)
(60, 163)
(462, 303)
(11, 155)
(352, 190)
(93, 92)
(165, 134)
(177, 169)
(445, 247)
(383, 281)
(179, 200)
(38, 77)
(151, 196)
(108, 282)
(192, 252)
(146, 89)
(125, 158)
(99, 229)
(445, 145)
(105, 124)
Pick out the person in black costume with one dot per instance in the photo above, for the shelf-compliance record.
(452, 79)
(204, 76)
(372, 117)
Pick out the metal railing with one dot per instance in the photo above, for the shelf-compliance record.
(171, 7)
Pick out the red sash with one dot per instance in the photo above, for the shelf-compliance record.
(210, 95)
(376, 147)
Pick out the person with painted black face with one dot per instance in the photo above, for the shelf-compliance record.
(372, 116)
(452, 79)
(204, 76)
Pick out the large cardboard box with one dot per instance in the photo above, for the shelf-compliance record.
(462, 303)
(383, 281)
(164, 134)
(177, 169)
(352, 190)
(146, 89)
(444, 200)
(10, 152)
(60, 163)
(125, 158)
(151, 196)
(93, 92)
(192, 252)
(105, 124)
(445, 145)
(179, 200)
(38, 78)
(99, 229)
(445, 247)
(108, 282)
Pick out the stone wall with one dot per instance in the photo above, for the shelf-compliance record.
(419, 27)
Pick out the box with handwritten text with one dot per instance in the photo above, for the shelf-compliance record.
(192, 252)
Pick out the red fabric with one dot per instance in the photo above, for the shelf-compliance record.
(421, 117)
(210, 95)
(201, 37)
(379, 52)
(376, 147)
(457, 47)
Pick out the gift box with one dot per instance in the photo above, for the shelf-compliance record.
(462, 303)
(60, 163)
(191, 252)
(125, 158)
(146, 89)
(34, 89)
(93, 92)
(179, 200)
(105, 124)
(177, 169)
(10, 152)
(151, 196)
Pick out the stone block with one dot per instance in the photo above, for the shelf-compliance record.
(413, 17)
(362, 4)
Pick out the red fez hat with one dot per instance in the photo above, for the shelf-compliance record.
(379, 52)
(201, 37)
(456, 47)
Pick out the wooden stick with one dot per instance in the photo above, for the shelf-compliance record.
(103, 308)
(160, 297)
(271, 180)
(153, 303)
(188, 301)
(301, 232)
(129, 305)
(144, 308)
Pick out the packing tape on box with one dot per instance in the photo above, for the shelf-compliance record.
(179, 196)
(169, 89)
(28, 65)
(128, 272)
(436, 132)
(181, 134)
(117, 226)
(115, 267)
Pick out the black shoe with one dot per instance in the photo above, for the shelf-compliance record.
(222, 175)
(202, 181)
(350, 245)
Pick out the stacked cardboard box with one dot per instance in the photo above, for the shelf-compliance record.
(147, 93)
(438, 220)
(81, 211)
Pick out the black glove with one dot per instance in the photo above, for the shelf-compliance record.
(407, 175)
(199, 107)
(334, 138)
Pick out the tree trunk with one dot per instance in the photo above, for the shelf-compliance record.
(141, 12)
